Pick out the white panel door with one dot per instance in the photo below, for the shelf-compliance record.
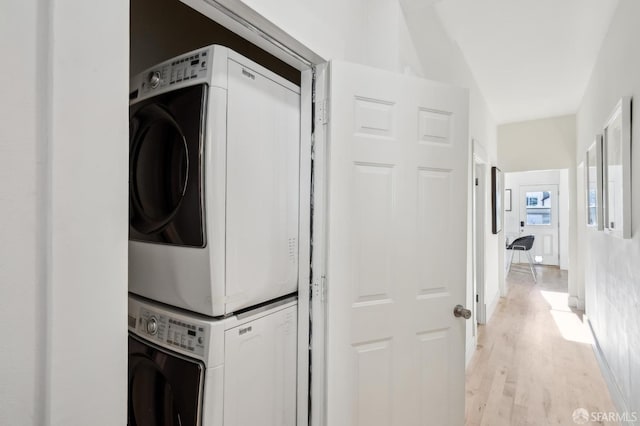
(539, 217)
(396, 263)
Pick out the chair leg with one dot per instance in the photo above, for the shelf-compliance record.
(533, 272)
(510, 261)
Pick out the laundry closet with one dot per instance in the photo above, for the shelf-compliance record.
(215, 176)
(382, 196)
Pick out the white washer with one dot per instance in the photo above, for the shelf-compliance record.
(214, 183)
(190, 370)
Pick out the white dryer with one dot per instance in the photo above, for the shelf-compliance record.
(214, 179)
(186, 369)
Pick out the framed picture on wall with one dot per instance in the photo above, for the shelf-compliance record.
(497, 194)
(593, 171)
(617, 170)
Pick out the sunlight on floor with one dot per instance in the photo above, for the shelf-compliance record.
(534, 362)
(568, 323)
(558, 301)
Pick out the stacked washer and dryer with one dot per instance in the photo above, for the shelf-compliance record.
(213, 250)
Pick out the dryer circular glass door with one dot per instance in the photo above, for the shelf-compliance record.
(166, 146)
(159, 169)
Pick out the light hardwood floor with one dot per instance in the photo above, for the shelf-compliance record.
(534, 364)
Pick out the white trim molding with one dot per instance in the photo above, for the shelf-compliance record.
(614, 390)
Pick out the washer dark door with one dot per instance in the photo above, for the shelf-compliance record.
(164, 389)
(165, 168)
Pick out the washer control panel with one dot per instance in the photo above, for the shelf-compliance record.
(172, 331)
(178, 70)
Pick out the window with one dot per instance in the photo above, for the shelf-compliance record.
(538, 208)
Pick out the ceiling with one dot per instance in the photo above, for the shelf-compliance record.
(531, 58)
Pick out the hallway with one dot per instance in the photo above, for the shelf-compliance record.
(534, 364)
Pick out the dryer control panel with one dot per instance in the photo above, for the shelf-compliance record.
(172, 332)
(176, 71)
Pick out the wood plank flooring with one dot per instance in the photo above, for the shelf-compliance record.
(534, 365)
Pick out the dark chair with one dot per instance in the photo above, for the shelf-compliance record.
(523, 244)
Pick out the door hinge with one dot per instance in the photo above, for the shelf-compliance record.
(477, 181)
(477, 298)
(323, 111)
(320, 289)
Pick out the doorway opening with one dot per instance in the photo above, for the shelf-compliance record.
(537, 205)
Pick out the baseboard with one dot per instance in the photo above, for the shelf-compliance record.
(576, 302)
(491, 307)
(614, 389)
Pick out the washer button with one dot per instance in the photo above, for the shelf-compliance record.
(152, 326)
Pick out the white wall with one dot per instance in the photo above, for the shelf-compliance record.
(362, 31)
(63, 193)
(513, 181)
(21, 214)
(544, 144)
(482, 128)
(88, 213)
(611, 265)
(489, 269)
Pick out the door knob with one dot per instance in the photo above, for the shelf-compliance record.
(461, 311)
